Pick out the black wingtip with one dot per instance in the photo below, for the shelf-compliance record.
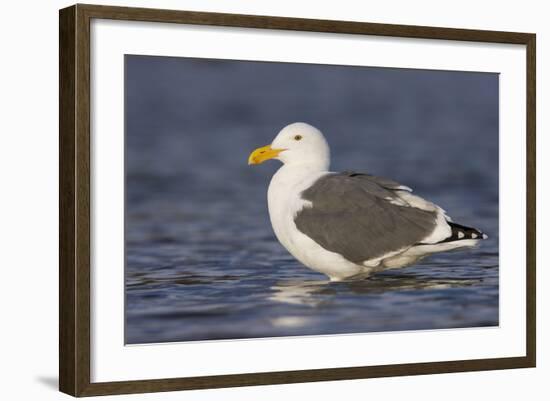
(460, 232)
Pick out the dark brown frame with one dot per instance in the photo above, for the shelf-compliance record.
(74, 199)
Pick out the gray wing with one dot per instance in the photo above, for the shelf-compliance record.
(361, 216)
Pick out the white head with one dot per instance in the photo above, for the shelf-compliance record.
(296, 144)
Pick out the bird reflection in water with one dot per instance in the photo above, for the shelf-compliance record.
(321, 292)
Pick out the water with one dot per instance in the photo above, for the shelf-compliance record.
(202, 261)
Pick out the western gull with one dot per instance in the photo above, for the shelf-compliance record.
(349, 224)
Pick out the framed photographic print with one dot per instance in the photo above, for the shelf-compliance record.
(250, 200)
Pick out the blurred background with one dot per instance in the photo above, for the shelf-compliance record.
(202, 261)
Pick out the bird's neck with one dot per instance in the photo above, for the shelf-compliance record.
(307, 166)
(291, 175)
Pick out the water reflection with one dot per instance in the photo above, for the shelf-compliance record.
(321, 292)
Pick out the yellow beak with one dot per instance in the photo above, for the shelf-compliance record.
(262, 154)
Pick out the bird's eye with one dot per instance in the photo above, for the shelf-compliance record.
(297, 137)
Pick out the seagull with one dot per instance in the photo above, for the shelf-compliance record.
(349, 225)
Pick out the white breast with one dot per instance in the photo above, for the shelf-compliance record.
(284, 202)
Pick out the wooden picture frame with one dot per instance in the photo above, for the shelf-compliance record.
(74, 203)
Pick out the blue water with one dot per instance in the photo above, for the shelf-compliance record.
(202, 261)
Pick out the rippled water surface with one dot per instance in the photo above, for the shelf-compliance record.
(202, 261)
